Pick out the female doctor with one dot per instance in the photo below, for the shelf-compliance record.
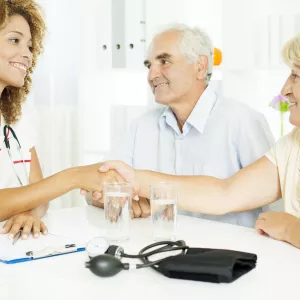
(24, 194)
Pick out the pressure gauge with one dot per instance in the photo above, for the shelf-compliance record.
(97, 246)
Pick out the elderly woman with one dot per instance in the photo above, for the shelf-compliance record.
(274, 176)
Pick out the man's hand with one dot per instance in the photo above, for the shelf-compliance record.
(141, 208)
(276, 224)
(28, 222)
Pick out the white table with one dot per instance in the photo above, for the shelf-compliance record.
(277, 275)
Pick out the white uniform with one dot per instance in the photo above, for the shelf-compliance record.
(8, 178)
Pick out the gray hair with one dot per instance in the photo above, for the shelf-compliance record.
(194, 42)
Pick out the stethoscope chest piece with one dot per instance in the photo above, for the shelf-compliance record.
(105, 265)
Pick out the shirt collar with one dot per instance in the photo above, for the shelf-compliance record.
(199, 115)
(169, 118)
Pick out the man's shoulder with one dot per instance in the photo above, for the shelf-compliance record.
(151, 115)
(238, 110)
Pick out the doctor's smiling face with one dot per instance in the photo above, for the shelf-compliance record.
(15, 52)
(22, 31)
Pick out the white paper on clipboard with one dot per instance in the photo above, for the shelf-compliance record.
(48, 245)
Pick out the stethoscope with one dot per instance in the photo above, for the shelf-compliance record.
(6, 130)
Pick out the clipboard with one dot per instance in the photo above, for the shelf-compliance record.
(33, 249)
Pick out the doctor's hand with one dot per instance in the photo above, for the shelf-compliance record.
(95, 197)
(140, 208)
(28, 222)
(89, 178)
(276, 224)
(122, 173)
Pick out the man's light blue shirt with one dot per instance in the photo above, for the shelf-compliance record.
(220, 137)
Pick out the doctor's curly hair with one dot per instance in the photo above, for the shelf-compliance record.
(12, 98)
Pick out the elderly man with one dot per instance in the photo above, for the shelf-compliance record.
(196, 132)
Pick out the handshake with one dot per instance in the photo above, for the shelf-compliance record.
(112, 172)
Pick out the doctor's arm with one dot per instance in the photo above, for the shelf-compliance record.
(29, 220)
(254, 186)
(36, 175)
(23, 199)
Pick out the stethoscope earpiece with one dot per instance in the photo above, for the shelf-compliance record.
(105, 265)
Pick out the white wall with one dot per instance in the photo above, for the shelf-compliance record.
(206, 14)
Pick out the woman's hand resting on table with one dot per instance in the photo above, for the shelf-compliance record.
(29, 222)
(280, 226)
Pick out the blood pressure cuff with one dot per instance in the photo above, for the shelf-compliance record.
(209, 265)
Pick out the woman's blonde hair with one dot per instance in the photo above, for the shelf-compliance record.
(291, 52)
(12, 97)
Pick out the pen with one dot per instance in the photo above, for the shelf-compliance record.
(17, 237)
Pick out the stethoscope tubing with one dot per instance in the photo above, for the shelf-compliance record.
(6, 130)
(167, 246)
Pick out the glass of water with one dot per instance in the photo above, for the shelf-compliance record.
(117, 205)
(163, 198)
